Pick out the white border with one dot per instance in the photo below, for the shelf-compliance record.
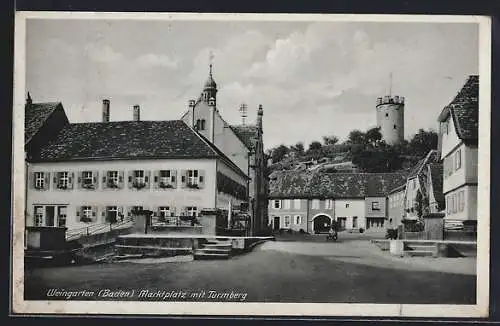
(260, 309)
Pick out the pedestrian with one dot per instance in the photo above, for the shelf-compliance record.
(390, 230)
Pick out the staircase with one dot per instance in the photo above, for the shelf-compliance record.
(419, 249)
(214, 249)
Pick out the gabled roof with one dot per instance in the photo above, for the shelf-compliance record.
(247, 134)
(464, 110)
(35, 116)
(436, 171)
(125, 140)
(297, 184)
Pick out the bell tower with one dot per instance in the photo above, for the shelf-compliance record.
(210, 87)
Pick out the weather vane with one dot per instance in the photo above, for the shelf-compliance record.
(243, 111)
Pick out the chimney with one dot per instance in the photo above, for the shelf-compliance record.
(137, 113)
(105, 110)
(191, 109)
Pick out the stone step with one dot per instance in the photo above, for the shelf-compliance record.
(207, 256)
(214, 251)
(421, 247)
(418, 253)
(217, 246)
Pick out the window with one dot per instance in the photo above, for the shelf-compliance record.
(454, 202)
(39, 180)
(287, 221)
(315, 204)
(458, 159)
(202, 125)
(38, 215)
(86, 214)
(394, 126)
(192, 211)
(164, 178)
(137, 208)
(354, 222)
(277, 204)
(192, 177)
(296, 203)
(113, 179)
(445, 127)
(329, 204)
(346, 205)
(164, 211)
(87, 178)
(63, 180)
(387, 114)
(286, 203)
(375, 206)
(61, 216)
(461, 201)
(298, 220)
(139, 176)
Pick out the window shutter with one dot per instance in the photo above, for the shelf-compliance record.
(120, 212)
(183, 178)
(156, 174)
(201, 179)
(56, 174)
(173, 178)
(120, 178)
(80, 179)
(104, 183)
(96, 178)
(70, 180)
(46, 186)
(78, 209)
(103, 212)
(32, 180)
(147, 177)
(130, 174)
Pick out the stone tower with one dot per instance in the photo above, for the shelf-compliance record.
(390, 118)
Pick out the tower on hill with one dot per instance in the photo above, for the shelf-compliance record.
(390, 118)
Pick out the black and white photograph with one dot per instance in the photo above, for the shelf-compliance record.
(251, 164)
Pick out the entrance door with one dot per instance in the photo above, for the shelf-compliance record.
(50, 212)
(322, 224)
(341, 222)
(276, 222)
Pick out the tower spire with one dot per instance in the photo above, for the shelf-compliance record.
(390, 84)
(210, 60)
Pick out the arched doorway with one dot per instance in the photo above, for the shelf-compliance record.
(321, 223)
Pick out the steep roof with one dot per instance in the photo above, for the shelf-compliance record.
(246, 133)
(298, 184)
(436, 170)
(464, 110)
(35, 115)
(125, 140)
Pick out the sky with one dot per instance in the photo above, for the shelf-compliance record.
(313, 79)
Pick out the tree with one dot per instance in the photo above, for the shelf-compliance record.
(279, 153)
(423, 141)
(330, 140)
(373, 136)
(315, 146)
(298, 148)
(376, 160)
(356, 137)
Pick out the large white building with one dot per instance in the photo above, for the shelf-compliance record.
(458, 143)
(79, 174)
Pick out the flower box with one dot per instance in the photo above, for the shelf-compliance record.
(85, 219)
(88, 186)
(165, 185)
(112, 185)
(138, 185)
(193, 186)
(62, 187)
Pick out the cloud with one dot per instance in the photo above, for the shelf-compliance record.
(102, 54)
(157, 60)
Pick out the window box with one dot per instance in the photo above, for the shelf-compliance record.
(112, 185)
(138, 185)
(85, 219)
(88, 186)
(193, 186)
(62, 187)
(165, 185)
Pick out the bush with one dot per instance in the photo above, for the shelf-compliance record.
(289, 231)
(301, 231)
(361, 230)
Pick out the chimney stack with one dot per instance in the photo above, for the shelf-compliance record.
(105, 110)
(137, 113)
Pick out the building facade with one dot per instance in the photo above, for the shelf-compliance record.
(311, 201)
(99, 172)
(458, 141)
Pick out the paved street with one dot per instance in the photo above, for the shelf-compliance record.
(293, 271)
